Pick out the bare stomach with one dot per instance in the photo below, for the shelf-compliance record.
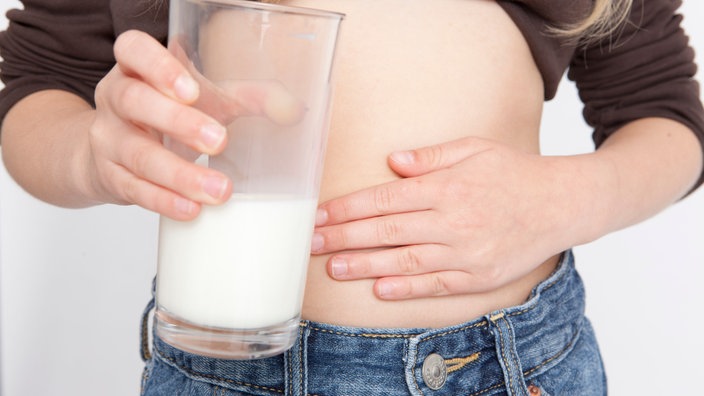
(411, 73)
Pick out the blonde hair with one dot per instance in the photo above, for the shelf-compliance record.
(604, 20)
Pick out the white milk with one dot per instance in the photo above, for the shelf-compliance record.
(241, 265)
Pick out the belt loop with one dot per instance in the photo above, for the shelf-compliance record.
(295, 364)
(411, 360)
(506, 353)
(144, 351)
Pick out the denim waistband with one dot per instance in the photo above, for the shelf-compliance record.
(496, 353)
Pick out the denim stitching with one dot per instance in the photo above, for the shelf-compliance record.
(289, 380)
(483, 391)
(382, 336)
(534, 369)
(562, 352)
(528, 309)
(548, 286)
(503, 357)
(480, 324)
(479, 393)
(460, 363)
(144, 351)
(215, 391)
(145, 354)
(364, 335)
(300, 358)
(415, 359)
(512, 351)
(145, 378)
(415, 382)
(196, 375)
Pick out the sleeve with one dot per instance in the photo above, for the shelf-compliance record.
(55, 44)
(646, 70)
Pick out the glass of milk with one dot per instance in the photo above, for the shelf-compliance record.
(230, 283)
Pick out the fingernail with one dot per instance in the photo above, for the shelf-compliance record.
(403, 157)
(338, 266)
(212, 135)
(317, 242)
(321, 217)
(186, 88)
(215, 186)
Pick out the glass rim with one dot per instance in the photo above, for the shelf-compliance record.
(257, 5)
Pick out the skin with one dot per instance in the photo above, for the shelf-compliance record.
(468, 218)
(387, 216)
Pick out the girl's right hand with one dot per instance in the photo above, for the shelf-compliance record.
(147, 96)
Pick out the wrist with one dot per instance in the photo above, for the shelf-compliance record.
(48, 156)
(587, 186)
(638, 171)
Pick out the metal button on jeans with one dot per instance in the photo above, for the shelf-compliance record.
(434, 371)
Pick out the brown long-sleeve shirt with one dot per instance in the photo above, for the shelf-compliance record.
(646, 70)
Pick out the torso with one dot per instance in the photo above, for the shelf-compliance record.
(411, 73)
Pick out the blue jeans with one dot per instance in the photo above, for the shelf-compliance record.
(546, 344)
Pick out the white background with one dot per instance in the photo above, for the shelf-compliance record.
(73, 284)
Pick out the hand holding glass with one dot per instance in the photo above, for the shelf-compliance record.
(230, 283)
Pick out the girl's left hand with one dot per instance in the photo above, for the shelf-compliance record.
(468, 216)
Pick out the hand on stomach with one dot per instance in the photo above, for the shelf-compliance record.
(437, 236)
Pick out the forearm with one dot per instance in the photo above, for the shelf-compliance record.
(46, 151)
(644, 167)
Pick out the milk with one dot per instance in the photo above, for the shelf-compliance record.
(241, 265)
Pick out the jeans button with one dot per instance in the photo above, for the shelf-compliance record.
(434, 371)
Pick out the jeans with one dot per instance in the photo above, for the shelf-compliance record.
(545, 346)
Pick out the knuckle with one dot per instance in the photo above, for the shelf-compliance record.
(344, 208)
(383, 199)
(335, 238)
(462, 223)
(494, 276)
(130, 191)
(139, 160)
(362, 266)
(103, 187)
(130, 96)
(96, 134)
(109, 89)
(388, 232)
(141, 54)
(409, 262)
(190, 180)
(438, 285)
(182, 121)
(124, 43)
(101, 90)
(434, 155)
(169, 69)
(486, 277)
(339, 240)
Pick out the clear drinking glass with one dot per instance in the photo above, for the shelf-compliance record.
(230, 283)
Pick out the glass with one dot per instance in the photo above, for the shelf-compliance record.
(230, 283)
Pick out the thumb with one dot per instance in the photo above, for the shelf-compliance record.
(227, 100)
